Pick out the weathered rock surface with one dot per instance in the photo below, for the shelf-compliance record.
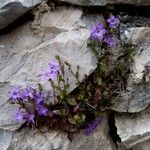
(137, 95)
(134, 129)
(5, 139)
(6, 120)
(18, 7)
(106, 2)
(99, 140)
(35, 139)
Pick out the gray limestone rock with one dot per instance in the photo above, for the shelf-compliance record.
(134, 129)
(98, 140)
(5, 139)
(7, 121)
(106, 2)
(34, 139)
(10, 10)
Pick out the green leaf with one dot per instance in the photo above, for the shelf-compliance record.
(63, 112)
(83, 117)
(105, 94)
(61, 79)
(99, 81)
(57, 57)
(77, 118)
(62, 96)
(103, 67)
(72, 101)
(40, 87)
(56, 87)
(67, 86)
(71, 120)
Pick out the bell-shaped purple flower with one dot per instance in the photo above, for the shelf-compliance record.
(110, 41)
(98, 32)
(39, 98)
(14, 94)
(27, 94)
(54, 65)
(30, 118)
(113, 22)
(19, 114)
(42, 110)
(51, 72)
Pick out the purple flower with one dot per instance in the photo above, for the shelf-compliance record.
(45, 75)
(51, 72)
(14, 94)
(110, 41)
(26, 94)
(19, 114)
(42, 110)
(53, 75)
(91, 126)
(113, 22)
(30, 118)
(100, 26)
(98, 32)
(54, 65)
(93, 30)
(39, 98)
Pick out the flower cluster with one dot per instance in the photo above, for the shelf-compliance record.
(51, 72)
(100, 32)
(23, 95)
(21, 115)
(35, 105)
(31, 96)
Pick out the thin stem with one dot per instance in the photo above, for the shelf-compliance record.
(52, 85)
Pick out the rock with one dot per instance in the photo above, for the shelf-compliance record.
(105, 2)
(134, 129)
(98, 140)
(18, 7)
(7, 121)
(61, 18)
(136, 97)
(34, 139)
(5, 139)
(23, 56)
(142, 146)
(44, 139)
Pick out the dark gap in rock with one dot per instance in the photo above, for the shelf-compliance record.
(130, 15)
(113, 129)
(62, 3)
(131, 10)
(20, 21)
